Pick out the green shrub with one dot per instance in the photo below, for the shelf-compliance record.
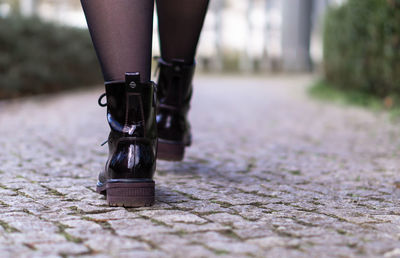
(39, 57)
(362, 47)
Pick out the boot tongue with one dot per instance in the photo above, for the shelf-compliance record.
(123, 100)
(134, 116)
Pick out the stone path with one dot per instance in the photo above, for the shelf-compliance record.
(271, 173)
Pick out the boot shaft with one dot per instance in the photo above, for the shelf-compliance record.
(174, 93)
(175, 84)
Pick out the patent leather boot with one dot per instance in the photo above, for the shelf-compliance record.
(131, 113)
(174, 91)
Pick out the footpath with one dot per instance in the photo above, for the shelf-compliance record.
(271, 173)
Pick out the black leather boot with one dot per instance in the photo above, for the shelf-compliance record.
(131, 113)
(174, 94)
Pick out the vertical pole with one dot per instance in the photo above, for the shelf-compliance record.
(296, 34)
(28, 7)
(265, 58)
(245, 62)
(217, 7)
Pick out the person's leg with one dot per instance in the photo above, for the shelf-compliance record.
(180, 23)
(121, 31)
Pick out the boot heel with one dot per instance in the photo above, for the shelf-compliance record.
(170, 151)
(136, 194)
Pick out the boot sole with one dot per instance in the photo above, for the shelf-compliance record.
(171, 151)
(128, 193)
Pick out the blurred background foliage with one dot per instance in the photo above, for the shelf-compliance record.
(38, 57)
(361, 50)
(361, 41)
(45, 45)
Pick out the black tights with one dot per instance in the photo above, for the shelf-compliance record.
(121, 31)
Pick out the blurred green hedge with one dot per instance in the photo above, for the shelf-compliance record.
(40, 57)
(362, 47)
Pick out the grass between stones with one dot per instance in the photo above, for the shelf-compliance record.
(53, 192)
(104, 224)
(7, 227)
(67, 236)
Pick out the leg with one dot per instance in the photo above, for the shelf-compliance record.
(122, 34)
(180, 23)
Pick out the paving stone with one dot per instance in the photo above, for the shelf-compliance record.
(183, 227)
(111, 244)
(200, 207)
(189, 250)
(66, 248)
(170, 217)
(138, 227)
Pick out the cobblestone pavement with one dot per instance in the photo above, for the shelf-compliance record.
(271, 173)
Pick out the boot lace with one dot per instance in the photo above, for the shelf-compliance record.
(101, 104)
